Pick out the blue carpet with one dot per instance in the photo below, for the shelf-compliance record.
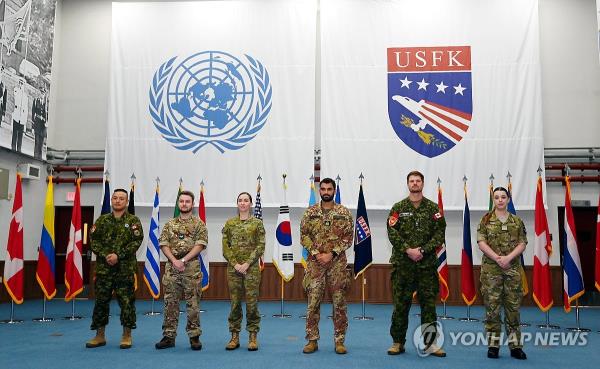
(61, 343)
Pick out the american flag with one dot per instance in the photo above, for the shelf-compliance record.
(258, 214)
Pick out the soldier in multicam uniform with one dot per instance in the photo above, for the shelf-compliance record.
(326, 232)
(115, 238)
(181, 240)
(415, 228)
(243, 245)
(501, 237)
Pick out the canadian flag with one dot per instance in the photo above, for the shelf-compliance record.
(73, 264)
(542, 249)
(13, 266)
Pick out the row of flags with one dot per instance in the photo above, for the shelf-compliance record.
(283, 259)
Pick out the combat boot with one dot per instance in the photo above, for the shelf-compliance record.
(97, 341)
(252, 342)
(435, 350)
(340, 348)
(310, 347)
(165, 342)
(397, 348)
(234, 342)
(126, 340)
(195, 343)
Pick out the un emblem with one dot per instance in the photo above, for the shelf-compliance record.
(210, 98)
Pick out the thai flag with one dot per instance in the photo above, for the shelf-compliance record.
(442, 259)
(572, 274)
(13, 265)
(542, 249)
(203, 256)
(467, 281)
(46, 264)
(152, 262)
(73, 262)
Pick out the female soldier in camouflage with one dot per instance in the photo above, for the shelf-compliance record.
(243, 245)
(501, 237)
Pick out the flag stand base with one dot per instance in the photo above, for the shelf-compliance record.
(73, 316)
(152, 312)
(43, 319)
(445, 316)
(468, 318)
(303, 316)
(12, 319)
(524, 325)
(578, 328)
(282, 315)
(364, 315)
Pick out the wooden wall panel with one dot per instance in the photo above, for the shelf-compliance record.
(377, 287)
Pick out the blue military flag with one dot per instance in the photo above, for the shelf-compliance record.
(106, 199)
(363, 253)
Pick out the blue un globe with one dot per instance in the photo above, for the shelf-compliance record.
(210, 94)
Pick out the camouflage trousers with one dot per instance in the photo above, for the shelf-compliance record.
(241, 286)
(408, 277)
(316, 279)
(123, 286)
(185, 285)
(501, 289)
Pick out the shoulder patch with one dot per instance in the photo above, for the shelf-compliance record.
(393, 219)
(437, 216)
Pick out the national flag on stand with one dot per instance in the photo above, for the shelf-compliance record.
(46, 264)
(467, 281)
(106, 208)
(363, 252)
(597, 274)
(573, 286)
(442, 258)
(203, 255)
(152, 262)
(338, 192)
(73, 262)
(283, 254)
(176, 212)
(312, 200)
(511, 209)
(258, 215)
(13, 265)
(542, 249)
(131, 205)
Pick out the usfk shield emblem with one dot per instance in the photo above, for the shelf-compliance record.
(430, 102)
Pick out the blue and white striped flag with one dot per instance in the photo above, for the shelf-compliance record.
(152, 263)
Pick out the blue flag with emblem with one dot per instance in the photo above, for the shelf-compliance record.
(152, 262)
(312, 200)
(363, 253)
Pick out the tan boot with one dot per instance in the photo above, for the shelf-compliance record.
(435, 350)
(97, 341)
(310, 347)
(396, 349)
(340, 348)
(252, 342)
(234, 342)
(126, 340)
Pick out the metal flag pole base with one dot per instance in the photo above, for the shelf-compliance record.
(445, 316)
(152, 312)
(363, 316)
(12, 319)
(282, 314)
(468, 318)
(578, 328)
(525, 325)
(303, 316)
(73, 316)
(43, 318)
(547, 325)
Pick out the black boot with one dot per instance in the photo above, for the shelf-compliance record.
(493, 352)
(165, 342)
(518, 354)
(195, 343)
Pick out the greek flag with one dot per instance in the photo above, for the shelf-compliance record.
(152, 263)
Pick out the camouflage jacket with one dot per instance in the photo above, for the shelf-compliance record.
(326, 231)
(501, 237)
(243, 240)
(181, 235)
(410, 227)
(121, 236)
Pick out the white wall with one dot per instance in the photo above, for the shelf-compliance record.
(571, 108)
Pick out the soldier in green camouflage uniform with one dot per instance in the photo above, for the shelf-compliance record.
(181, 240)
(243, 245)
(415, 228)
(326, 232)
(115, 238)
(501, 237)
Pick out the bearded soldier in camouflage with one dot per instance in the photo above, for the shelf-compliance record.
(326, 232)
(415, 228)
(243, 245)
(501, 237)
(115, 238)
(181, 240)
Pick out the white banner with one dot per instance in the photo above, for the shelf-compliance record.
(218, 91)
(450, 88)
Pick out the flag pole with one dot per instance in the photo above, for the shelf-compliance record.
(468, 317)
(363, 279)
(152, 312)
(577, 320)
(43, 317)
(444, 316)
(282, 314)
(12, 319)
(547, 325)
(73, 316)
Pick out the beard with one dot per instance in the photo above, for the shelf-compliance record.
(185, 211)
(327, 198)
